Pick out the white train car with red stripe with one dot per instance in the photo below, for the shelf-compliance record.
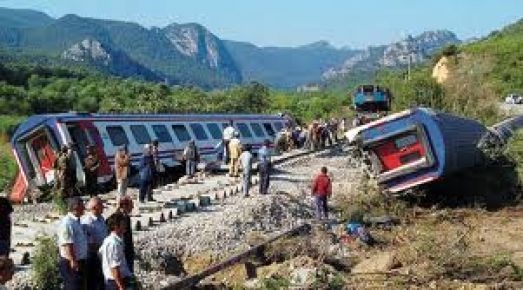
(36, 140)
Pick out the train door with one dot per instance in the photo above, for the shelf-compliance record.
(44, 157)
(83, 134)
(402, 153)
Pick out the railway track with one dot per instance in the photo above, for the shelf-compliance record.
(176, 200)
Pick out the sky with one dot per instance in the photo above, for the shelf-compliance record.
(350, 23)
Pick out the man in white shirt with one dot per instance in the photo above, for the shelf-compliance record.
(117, 275)
(96, 230)
(246, 163)
(72, 242)
(228, 134)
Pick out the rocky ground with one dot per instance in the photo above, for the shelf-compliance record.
(222, 229)
(431, 245)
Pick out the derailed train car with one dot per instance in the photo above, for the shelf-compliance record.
(36, 140)
(418, 146)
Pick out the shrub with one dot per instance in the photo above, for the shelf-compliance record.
(45, 273)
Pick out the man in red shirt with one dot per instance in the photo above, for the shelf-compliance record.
(322, 190)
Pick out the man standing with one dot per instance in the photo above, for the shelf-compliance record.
(96, 230)
(146, 174)
(91, 165)
(112, 254)
(246, 163)
(122, 162)
(264, 166)
(322, 190)
(228, 134)
(125, 207)
(72, 242)
(64, 166)
(190, 155)
(235, 149)
(6, 209)
(159, 168)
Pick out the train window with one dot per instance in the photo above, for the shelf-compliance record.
(256, 128)
(198, 131)
(244, 130)
(405, 141)
(216, 133)
(181, 133)
(117, 135)
(162, 134)
(268, 128)
(140, 134)
(278, 126)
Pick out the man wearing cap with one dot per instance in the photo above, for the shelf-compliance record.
(72, 242)
(235, 149)
(122, 161)
(91, 165)
(96, 230)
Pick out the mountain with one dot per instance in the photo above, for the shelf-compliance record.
(195, 41)
(136, 51)
(415, 49)
(286, 67)
(22, 18)
(94, 53)
(189, 54)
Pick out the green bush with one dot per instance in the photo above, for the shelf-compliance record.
(45, 274)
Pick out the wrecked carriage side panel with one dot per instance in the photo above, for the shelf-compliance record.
(461, 137)
(450, 144)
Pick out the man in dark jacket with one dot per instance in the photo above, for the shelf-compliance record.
(92, 163)
(5, 226)
(146, 174)
(191, 156)
(322, 190)
(125, 207)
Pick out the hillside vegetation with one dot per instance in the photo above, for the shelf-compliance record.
(480, 74)
(27, 88)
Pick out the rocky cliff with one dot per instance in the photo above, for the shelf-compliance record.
(198, 43)
(413, 49)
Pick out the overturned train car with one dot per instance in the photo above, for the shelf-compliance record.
(420, 145)
(36, 140)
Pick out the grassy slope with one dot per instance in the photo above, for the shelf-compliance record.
(505, 49)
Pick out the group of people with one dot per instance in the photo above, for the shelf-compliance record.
(65, 172)
(316, 136)
(238, 155)
(324, 133)
(96, 253)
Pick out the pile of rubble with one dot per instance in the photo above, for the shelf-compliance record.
(217, 231)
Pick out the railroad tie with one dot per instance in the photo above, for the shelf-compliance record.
(151, 223)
